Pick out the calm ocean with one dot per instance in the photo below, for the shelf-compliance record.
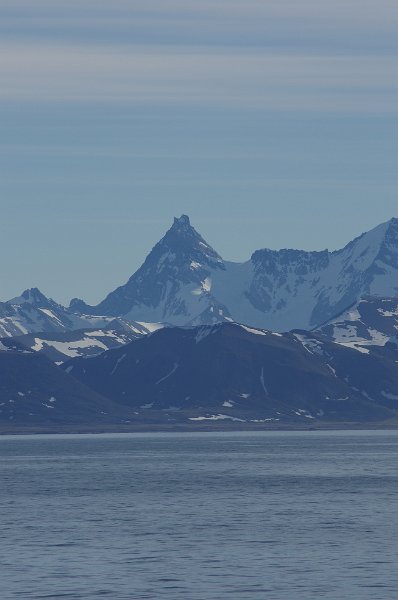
(206, 516)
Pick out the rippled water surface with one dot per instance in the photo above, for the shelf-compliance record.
(295, 516)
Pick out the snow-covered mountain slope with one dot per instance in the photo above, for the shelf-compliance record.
(33, 312)
(63, 345)
(174, 281)
(372, 321)
(231, 372)
(184, 281)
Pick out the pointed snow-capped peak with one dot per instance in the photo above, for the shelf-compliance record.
(181, 258)
(34, 297)
(181, 255)
(182, 223)
(188, 245)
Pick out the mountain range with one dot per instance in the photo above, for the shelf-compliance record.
(232, 372)
(184, 281)
(33, 312)
(287, 338)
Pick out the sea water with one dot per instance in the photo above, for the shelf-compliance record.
(204, 516)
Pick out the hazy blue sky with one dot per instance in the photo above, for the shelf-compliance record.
(271, 123)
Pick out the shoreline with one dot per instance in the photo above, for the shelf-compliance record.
(186, 428)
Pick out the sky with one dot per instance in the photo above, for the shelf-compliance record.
(270, 123)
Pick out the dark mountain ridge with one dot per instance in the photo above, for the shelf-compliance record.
(232, 372)
(35, 393)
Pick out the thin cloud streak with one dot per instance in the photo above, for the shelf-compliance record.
(196, 76)
(340, 25)
(343, 10)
